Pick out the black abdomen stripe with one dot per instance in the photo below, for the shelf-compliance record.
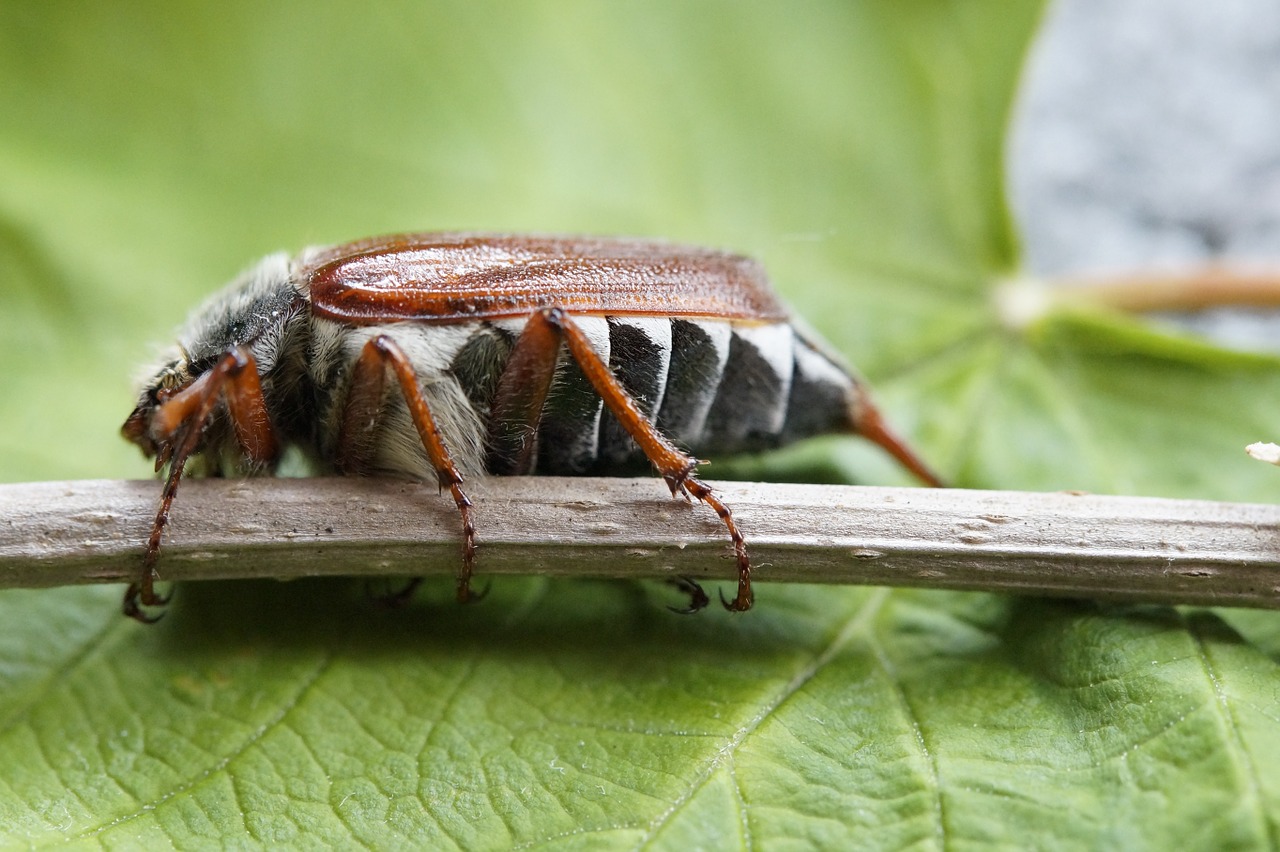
(751, 405)
(569, 435)
(699, 351)
(640, 358)
(822, 395)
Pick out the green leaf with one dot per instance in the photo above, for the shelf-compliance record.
(149, 153)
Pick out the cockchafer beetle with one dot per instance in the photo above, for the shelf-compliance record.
(506, 355)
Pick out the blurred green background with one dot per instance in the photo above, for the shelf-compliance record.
(149, 152)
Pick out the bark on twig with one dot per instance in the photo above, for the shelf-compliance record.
(1118, 548)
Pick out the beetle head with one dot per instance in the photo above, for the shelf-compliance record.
(257, 311)
(174, 375)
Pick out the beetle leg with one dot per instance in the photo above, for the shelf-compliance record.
(865, 420)
(698, 599)
(673, 465)
(176, 429)
(393, 599)
(517, 404)
(368, 384)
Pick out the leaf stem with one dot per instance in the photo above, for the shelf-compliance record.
(1189, 290)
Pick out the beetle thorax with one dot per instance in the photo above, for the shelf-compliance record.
(258, 311)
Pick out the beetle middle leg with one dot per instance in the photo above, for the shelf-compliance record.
(364, 400)
(176, 431)
(522, 390)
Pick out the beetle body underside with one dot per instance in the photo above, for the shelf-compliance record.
(714, 387)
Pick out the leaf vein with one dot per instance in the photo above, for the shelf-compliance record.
(267, 727)
(58, 675)
(857, 623)
(1235, 744)
(917, 732)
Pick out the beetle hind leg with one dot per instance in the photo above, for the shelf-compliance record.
(743, 600)
(673, 465)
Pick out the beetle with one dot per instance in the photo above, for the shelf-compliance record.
(456, 355)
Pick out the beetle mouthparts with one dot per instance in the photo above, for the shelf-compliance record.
(136, 430)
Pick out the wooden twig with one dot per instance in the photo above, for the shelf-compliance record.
(1119, 548)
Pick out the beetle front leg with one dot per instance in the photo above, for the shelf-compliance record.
(176, 430)
(364, 400)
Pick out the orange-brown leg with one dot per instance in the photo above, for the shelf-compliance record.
(368, 385)
(517, 404)
(176, 427)
(673, 465)
(517, 410)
